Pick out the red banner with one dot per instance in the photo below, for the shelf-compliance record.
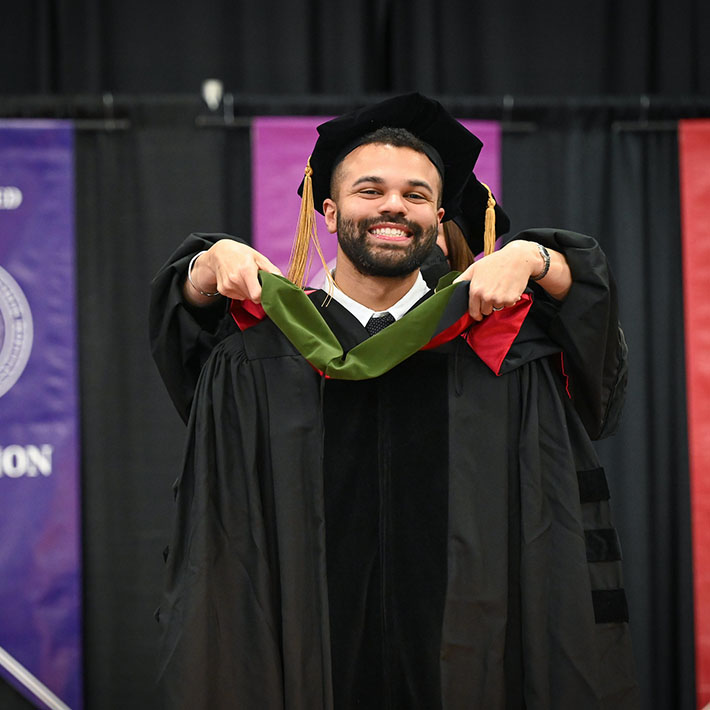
(694, 144)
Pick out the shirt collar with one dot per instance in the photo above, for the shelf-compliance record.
(363, 313)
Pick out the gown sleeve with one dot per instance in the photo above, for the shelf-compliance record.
(586, 326)
(182, 336)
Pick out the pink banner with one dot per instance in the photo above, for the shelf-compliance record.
(280, 148)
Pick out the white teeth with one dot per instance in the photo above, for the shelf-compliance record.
(389, 232)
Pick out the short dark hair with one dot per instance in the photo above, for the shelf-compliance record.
(397, 137)
(385, 135)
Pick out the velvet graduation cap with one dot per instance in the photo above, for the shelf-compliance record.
(479, 217)
(452, 148)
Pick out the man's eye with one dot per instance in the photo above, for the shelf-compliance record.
(416, 196)
(369, 191)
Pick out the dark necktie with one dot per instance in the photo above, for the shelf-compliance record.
(378, 323)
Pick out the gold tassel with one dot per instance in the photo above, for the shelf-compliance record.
(306, 234)
(489, 230)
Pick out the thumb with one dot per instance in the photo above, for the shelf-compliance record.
(263, 263)
(466, 275)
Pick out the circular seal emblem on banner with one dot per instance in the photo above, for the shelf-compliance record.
(10, 197)
(16, 331)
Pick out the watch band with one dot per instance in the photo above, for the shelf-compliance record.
(546, 258)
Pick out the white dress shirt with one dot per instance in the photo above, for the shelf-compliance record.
(363, 313)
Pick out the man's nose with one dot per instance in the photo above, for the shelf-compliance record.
(393, 202)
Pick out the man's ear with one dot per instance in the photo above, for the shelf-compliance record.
(330, 212)
(440, 214)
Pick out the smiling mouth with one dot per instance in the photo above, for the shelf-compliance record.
(390, 234)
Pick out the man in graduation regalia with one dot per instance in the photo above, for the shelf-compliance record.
(389, 497)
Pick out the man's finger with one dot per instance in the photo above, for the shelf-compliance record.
(252, 286)
(474, 307)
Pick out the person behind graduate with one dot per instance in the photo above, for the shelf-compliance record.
(389, 496)
(460, 239)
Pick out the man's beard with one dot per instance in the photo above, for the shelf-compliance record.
(384, 259)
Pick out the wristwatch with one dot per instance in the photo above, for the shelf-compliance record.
(546, 258)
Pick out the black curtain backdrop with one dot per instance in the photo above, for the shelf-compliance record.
(620, 183)
(553, 47)
(596, 166)
(138, 192)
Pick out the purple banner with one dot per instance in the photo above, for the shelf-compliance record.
(40, 579)
(280, 149)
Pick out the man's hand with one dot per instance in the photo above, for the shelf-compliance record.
(230, 268)
(499, 279)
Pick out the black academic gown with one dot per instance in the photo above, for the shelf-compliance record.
(436, 537)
